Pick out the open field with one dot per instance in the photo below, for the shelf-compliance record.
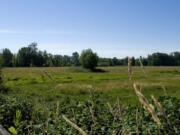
(51, 84)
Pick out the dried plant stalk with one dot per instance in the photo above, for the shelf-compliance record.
(110, 108)
(146, 105)
(158, 105)
(82, 132)
(92, 114)
(164, 89)
(57, 108)
(141, 65)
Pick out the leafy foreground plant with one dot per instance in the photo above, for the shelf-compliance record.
(92, 117)
(15, 114)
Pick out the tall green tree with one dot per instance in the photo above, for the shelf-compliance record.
(133, 61)
(176, 56)
(89, 59)
(160, 59)
(29, 56)
(66, 60)
(24, 57)
(75, 59)
(58, 60)
(7, 58)
(115, 61)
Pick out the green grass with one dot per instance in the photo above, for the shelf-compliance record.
(51, 84)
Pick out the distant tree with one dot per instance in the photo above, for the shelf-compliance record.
(115, 61)
(1, 59)
(1, 79)
(137, 62)
(75, 59)
(133, 61)
(33, 47)
(29, 56)
(89, 59)
(7, 58)
(24, 57)
(145, 61)
(104, 62)
(33, 51)
(46, 59)
(125, 61)
(66, 60)
(110, 61)
(176, 56)
(14, 60)
(160, 59)
(58, 60)
(140, 60)
(49, 60)
(38, 59)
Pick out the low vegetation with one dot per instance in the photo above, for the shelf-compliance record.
(76, 101)
(92, 117)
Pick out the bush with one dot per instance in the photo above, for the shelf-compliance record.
(15, 113)
(89, 59)
(94, 116)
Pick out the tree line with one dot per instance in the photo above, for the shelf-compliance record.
(155, 59)
(31, 56)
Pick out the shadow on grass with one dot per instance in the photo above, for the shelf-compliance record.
(98, 70)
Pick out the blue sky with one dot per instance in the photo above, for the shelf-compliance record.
(110, 27)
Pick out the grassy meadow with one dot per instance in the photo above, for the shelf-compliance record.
(54, 83)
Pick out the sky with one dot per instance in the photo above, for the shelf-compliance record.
(112, 28)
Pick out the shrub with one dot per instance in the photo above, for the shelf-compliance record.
(93, 116)
(10, 107)
(89, 59)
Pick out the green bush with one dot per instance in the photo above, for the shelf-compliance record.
(89, 59)
(8, 109)
(94, 116)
